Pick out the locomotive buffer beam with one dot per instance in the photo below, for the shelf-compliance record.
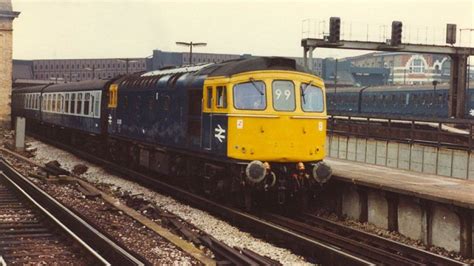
(459, 56)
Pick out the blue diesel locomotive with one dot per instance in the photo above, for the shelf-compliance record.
(253, 126)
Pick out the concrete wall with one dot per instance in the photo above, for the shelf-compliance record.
(433, 224)
(412, 157)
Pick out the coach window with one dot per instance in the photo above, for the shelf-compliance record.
(66, 103)
(283, 95)
(73, 103)
(43, 105)
(97, 105)
(61, 102)
(311, 98)
(87, 98)
(91, 102)
(58, 102)
(54, 102)
(221, 95)
(250, 95)
(79, 104)
(50, 102)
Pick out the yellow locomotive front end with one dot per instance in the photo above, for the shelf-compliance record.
(277, 117)
(276, 124)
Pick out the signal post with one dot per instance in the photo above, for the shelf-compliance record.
(459, 56)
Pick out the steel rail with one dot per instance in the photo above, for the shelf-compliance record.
(302, 244)
(72, 223)
(18, 189)
(417, 255)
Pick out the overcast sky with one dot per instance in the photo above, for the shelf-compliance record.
(55, 29)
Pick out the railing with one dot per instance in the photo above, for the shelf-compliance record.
(450, 133)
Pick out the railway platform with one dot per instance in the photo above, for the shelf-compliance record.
(434, 209)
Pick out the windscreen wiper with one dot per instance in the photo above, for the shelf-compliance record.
(256, 87)
(304, 89)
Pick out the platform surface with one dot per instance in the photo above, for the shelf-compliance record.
(448, 190)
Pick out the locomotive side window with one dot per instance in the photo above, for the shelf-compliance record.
(221, 95)
(283, 95)
(250, 96)
(311, 98)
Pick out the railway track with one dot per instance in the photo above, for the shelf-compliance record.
(316, 250)
(313, 237)
(35, 228)
(224, 254)
(377, 249)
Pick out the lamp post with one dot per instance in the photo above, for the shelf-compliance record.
(191, 44)
(127, 62)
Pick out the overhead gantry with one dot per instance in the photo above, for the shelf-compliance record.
(459, 56)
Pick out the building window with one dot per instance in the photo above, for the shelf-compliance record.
(417, 66)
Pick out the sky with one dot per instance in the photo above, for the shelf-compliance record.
(66, 29)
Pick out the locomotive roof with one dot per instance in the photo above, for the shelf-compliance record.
(78, 86)
(232, 67)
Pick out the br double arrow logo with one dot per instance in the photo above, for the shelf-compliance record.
(219, 133)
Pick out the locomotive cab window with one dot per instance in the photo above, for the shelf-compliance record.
(250, 96)
(283, 95)
(311, 98)
(221, 95)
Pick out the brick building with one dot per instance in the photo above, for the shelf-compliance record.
(7, 15)
(407, 68)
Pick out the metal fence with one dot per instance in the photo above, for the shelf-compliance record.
(449, 133)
